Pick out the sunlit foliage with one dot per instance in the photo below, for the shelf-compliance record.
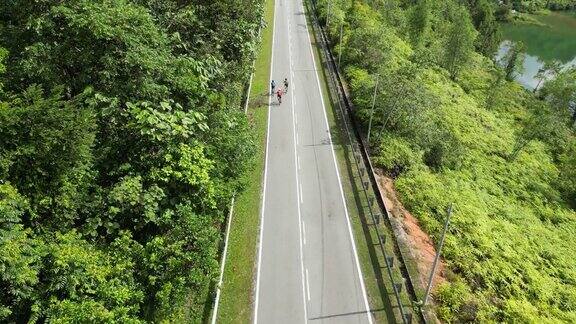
(450, 128)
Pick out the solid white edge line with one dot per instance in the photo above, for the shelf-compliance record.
(361, 277)
(265, 175)
(223, 262)
(304, 231)
(297, 137)
(307, 285)
(298, 186)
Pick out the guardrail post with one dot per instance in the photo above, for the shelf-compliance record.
(390, 261)
(383, 239)
(408, 318)
(398, 287)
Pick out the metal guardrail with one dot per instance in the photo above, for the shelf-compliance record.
(364, 165)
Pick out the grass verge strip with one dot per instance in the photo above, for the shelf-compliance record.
(236, 291)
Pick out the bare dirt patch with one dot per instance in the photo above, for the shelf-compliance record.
(407, 229)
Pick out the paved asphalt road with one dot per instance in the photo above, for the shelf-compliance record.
(308, 269)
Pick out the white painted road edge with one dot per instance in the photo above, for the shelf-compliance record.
(223, 263)
(367, 305)
(265, 177)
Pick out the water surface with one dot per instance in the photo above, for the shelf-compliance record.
(554, 38)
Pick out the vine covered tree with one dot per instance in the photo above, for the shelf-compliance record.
(560, 92)
(460, 42)
(489, 35)
(419, 22)
(513, 60)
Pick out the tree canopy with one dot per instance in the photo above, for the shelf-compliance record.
(122, 141)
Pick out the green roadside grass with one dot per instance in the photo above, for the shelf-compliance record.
(239, 272)
(380, 296)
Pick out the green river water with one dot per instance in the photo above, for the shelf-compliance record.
(554, 38)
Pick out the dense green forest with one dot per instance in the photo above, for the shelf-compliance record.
(533, 5)
(122, 139)
(450, 126)
(503, 9)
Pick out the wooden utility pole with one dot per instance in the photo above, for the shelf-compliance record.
(435, 264)
(372, 110)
